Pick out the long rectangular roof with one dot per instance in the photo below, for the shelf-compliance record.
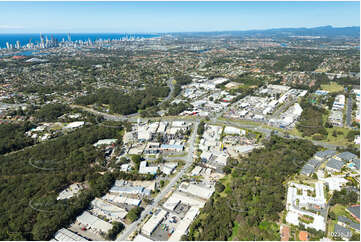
(67, 235)
(94, 222)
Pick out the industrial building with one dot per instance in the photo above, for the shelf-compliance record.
(153, 222)
(94, 223)
(67, 235)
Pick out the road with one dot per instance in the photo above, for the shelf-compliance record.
(189, 160)
(268, 132)
(349, 112)
(214, 120)
(283, 108)
(171, 86)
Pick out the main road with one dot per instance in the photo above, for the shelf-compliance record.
(189, 161)
(214, 120)
(349, 112)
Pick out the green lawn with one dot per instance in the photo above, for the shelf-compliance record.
(340, 139)
(234, 231)
(332, 87)
(339, 210)
(330, 227)
(226, 182)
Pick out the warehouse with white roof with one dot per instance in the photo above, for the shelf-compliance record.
(149, 227)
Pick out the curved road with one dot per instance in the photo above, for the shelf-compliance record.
(171, 86)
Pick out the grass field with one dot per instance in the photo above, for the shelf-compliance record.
(339, 210)
(226, 182)
(332, 87)
(330, 226)
(340, 139)
(234, 231)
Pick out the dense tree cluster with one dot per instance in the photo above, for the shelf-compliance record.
(177, 108)
(255, 196)
(344, 197)
(298, 62)
(47, 89)
(126, 103)
(117, 228)
(180, 81)
(311, 121)
(31, 179)
(248, 79)
(12, 137)
(134, 214)
(201, 127)
(50, 112)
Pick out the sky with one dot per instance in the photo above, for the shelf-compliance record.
(131, 17)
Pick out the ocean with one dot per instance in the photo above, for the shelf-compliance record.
(35, 38)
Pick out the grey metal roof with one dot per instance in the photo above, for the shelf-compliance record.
(347, 156)
(307, 170)
(314, 163)
(355, 210)
(342, 231)
(349, 222)
(325, 153)
(335, 164)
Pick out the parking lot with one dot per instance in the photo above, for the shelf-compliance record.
(166, 228)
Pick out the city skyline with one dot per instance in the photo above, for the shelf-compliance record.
(132, 17)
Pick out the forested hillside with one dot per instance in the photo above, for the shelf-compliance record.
(30, 181)
(250, 205)
(126, 103)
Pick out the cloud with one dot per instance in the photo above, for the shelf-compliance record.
(10, 27)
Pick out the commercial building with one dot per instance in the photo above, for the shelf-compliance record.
(196, 171)
(105, 142)
(171, 148)
(71, 191)
(67, 235)
(110, 211)
(121, 199)
(149, 227)
(75, 125)
(180, 197)
(135, 190)
(144, 169)
(94, 223)
(202, 191)
(298, 197)
(141, 238)
(169, 167)
(184, 224)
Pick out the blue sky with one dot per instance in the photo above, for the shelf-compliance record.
(35, 17)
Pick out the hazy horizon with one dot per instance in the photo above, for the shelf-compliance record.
(166, 17)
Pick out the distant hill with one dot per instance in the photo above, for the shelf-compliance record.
(323, 31)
